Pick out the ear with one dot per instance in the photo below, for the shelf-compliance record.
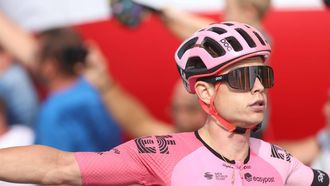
(204, 91)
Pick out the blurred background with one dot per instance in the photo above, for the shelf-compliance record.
(139, 49)
(143, 57)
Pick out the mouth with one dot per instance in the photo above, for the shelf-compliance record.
(258, 106)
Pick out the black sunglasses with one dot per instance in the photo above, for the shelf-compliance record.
(243, 78)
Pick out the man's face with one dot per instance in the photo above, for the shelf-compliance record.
(242, 108)
(186, 112)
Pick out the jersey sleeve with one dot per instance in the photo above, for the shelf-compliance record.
(301, 174)
(120, 166)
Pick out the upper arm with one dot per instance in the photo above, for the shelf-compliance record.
(122, 165)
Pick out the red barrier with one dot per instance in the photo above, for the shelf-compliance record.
(142, 61)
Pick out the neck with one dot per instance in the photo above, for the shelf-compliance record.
(230, 145)
(60, 83)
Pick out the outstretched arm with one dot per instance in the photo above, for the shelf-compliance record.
(16, 41)
(133, 117)
(40, 165)
(182, 23)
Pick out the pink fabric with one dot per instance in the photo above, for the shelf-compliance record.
(182, 159)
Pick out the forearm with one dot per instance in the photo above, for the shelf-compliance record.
(19, 43)
(183, 24)
(38, 164)
(133, 117)
(131, 114)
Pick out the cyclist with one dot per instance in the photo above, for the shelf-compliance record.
(224, 65)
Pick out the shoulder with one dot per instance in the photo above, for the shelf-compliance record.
(290, 169)
(271, 153)
(159, 149)
(164, 144)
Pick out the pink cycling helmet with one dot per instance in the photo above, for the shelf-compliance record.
(216, 46)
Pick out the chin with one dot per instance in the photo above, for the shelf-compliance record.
(249, 122)
(255, 121)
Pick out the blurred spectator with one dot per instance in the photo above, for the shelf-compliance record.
(133, 117)
(73, 117)
(13, 135)
(17, 90)
(186, 112)
(322, 161)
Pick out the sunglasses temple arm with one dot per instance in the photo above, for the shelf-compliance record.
(214, 79)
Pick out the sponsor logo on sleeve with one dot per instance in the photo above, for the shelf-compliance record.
(279, 153)
(148, 144)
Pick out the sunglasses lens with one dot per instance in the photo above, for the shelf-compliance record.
(266, 76)
(239, 79)
(244, 78)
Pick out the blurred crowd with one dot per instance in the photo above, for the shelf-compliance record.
(56, 89)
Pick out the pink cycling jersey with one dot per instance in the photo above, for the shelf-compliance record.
(185, 159)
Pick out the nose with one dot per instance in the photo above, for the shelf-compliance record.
(257, 87)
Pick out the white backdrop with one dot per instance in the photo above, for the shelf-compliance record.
(36, 15)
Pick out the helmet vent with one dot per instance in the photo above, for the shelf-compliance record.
(195, 63)
(234, 43)
(213, 47)
(228, 24)
(246, 37)
(188, 45)
(260, 39)
(217, 30)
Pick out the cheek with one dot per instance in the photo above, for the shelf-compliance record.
(228, 104)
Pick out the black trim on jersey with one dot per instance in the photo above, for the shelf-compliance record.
(217, 154)
(320, 178)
